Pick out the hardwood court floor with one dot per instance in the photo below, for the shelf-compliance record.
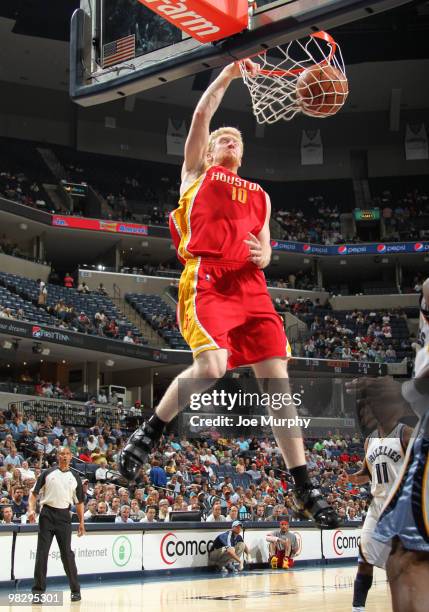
(302, 590)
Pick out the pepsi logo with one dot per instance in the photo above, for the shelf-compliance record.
(274, 244)
(418, 246)
(381, 248)
(306, 248)
(342, 250)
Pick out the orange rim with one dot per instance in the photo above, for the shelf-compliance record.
(282, 73)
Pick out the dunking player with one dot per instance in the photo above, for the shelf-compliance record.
(404, 522)
(221, 233)
(384, 456)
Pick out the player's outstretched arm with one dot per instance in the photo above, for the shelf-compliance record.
(198, 137)
(360, 477)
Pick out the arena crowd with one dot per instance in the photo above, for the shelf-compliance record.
(221, 479)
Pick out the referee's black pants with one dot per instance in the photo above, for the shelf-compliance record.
(54, 522)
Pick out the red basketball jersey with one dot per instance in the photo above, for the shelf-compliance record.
(216, 214)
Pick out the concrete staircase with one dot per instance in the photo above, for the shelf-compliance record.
(153, 338)
(52, 191)
(361, 192)
(53, 163)
(107, 211)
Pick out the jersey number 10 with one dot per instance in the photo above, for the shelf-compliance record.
(239, 194)
(382, 474)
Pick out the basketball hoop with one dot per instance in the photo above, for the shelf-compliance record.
(305, 76)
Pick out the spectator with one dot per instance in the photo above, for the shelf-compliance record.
(102, 472)
(102, 397)
(260, 513)
(91, 510)
(91, 404)
(7, 518)
(129, 337)
(68, 281)
(101, 508)
(101, 290)
(157, 475)
(83, 288)
(13, 458)
(58, 430)
(19, 504)
(150, 515)
(115, 506)
(124, 516)
(43, 292)
(216, 514)
(136, 513)
(232, 514)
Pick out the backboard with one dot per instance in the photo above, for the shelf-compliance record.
(119, 47)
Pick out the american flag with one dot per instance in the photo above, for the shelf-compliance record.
(119, 51)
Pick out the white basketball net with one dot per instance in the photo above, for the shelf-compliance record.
(273, 91)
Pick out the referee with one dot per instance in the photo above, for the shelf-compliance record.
(59, 488)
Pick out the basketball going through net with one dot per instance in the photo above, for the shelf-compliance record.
(303, 76)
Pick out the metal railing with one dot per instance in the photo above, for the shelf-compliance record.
(73, 413)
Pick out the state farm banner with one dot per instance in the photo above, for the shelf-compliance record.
(101, 552)
(204, 20)
(340, 543)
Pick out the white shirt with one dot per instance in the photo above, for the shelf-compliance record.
(91, 445)
(59, 489)
(219, 519)
(26, 474)
(24, 519)
(101, 473)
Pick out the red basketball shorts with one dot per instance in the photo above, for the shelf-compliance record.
(227, 305)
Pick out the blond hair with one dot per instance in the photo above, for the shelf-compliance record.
(219, 132)
(215, 135)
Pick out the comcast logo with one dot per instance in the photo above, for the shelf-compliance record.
(121, 551)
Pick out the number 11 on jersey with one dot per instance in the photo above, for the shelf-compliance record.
(382, 474)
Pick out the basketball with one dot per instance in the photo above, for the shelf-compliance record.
(321, 90)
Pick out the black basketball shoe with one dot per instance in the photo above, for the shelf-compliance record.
(137, 450)
(311, 505)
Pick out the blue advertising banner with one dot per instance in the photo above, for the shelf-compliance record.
(377, 248)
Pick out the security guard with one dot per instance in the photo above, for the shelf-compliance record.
(59, 488)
